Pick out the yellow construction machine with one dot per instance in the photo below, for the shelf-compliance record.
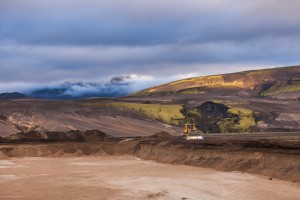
(190, 131)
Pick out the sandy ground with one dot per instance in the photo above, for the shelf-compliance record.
(128, 177)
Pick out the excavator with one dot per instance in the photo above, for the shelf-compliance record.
(190, 131)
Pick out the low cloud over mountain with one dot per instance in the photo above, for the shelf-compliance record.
(118, 86)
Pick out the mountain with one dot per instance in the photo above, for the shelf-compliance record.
(78, 90)
(250, 101)
(14, 95)
(253, 101)
(280, 83)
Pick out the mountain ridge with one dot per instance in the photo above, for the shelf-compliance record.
(220, 106)
(256, 81)
(12, 95)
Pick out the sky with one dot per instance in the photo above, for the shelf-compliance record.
(46, 44)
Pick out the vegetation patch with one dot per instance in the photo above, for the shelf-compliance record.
(215, 117)
(238, 120)
(164, 113)
(281, 87)
(217, 101)
(161, 112)
(210, 117)
(195, 90)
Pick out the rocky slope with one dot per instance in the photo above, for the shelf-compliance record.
(109, 115)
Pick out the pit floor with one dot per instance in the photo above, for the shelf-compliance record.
(127, 177)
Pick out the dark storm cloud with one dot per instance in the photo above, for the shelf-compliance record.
(133, 22)
(51, 42)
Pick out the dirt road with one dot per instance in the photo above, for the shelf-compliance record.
(127, 177)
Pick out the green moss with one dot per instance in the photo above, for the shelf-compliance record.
(239, 120)
(217, 101)
(164, 113)
(230, 104)
(196, 90)
(246, 119)
(227, 125)
(280, 87)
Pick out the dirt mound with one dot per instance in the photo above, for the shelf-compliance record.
(30, 136)
(162, 135)
(34, 135)
(94, 136)
(75, 135)
(51, 136)
(56, 136)
(59, 153)
(79, 152)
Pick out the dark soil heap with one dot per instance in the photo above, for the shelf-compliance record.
(162, 135)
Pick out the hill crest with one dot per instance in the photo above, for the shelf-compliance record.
(287, 79)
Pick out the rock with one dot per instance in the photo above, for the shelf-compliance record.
(212, 109)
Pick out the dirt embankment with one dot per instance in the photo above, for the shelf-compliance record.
(281, 165)
(276, 159)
